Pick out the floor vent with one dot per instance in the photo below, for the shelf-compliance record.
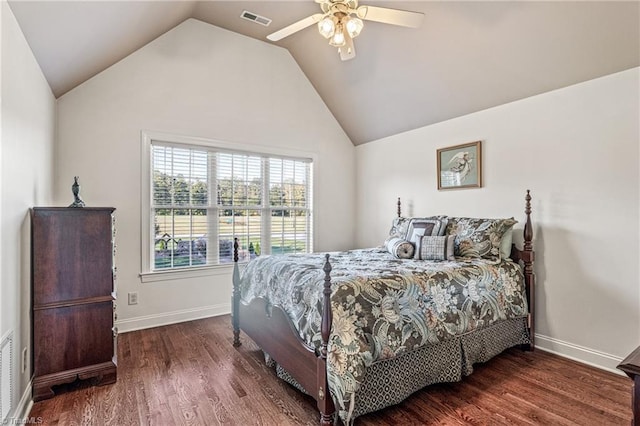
(6, 377)
(249, 16)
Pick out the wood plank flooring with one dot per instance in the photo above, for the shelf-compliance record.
(189, 374)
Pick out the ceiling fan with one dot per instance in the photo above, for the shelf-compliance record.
(341, 21)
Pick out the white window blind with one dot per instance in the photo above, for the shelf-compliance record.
(202, 197)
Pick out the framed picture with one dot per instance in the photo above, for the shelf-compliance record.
(460, 166)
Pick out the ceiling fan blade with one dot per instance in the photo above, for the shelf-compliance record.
(404, 18)
(348, 51)
(295, 27)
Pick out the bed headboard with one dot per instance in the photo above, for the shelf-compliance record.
(525, 257)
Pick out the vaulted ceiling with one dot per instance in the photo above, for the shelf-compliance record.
(466, 56)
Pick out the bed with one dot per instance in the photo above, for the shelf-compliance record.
(362, 330)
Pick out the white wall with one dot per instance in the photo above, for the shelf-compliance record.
(577, 149)
(202, 81)
(4, 389)
(2, 7)
(27, 125)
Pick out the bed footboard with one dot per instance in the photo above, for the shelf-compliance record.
(272, 330)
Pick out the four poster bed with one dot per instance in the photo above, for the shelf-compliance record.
(376, 325)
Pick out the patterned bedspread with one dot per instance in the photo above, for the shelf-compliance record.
(383, 306)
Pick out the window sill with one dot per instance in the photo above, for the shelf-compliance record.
(178, 274)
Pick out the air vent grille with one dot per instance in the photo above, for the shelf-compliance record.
(254, 17)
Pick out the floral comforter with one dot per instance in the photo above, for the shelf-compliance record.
(383, 306)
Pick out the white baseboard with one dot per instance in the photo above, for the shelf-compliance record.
(579, 353)
(166, 318)
(21, 413)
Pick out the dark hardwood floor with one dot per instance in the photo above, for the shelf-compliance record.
(189, 374)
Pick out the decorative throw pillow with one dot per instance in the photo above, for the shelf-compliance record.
(435, 248)
(419, 226)
(399, 228)
(505, 244)
(478, 238)
(400, 248)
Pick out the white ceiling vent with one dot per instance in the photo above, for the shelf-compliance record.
(249, 16)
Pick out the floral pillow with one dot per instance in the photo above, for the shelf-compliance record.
(399, 228)
(478, 238)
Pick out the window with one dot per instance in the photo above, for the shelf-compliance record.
(201, 197)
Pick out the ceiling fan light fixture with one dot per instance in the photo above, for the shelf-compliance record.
(337, 39)
(327, 27)
(342, 20)
(354, 26)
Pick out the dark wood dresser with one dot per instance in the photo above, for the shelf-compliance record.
(631, 366)
(72, 297)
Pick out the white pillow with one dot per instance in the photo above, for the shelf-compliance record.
(505, 244)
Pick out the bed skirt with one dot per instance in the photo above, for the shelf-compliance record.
(391, 381)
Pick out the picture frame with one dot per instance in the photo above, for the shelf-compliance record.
(460, 166)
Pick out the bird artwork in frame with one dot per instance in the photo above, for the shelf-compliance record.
(460, 166)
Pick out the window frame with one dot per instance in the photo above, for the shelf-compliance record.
(147, 274)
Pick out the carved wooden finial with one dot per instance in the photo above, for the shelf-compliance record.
(327, 317)
(399, 209)
(528, 228)
(327, 270)
(235, 249)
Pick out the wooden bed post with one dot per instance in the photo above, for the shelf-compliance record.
(325, 402)
(399, 209)
(235, 298)
(528, 256)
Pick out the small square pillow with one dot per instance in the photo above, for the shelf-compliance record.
(478, 238)
(420, 226)
(400, 248)
(435, 248)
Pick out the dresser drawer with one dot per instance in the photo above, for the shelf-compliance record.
(71, 337)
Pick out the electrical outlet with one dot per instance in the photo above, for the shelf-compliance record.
(133, 298)
(23, 364)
